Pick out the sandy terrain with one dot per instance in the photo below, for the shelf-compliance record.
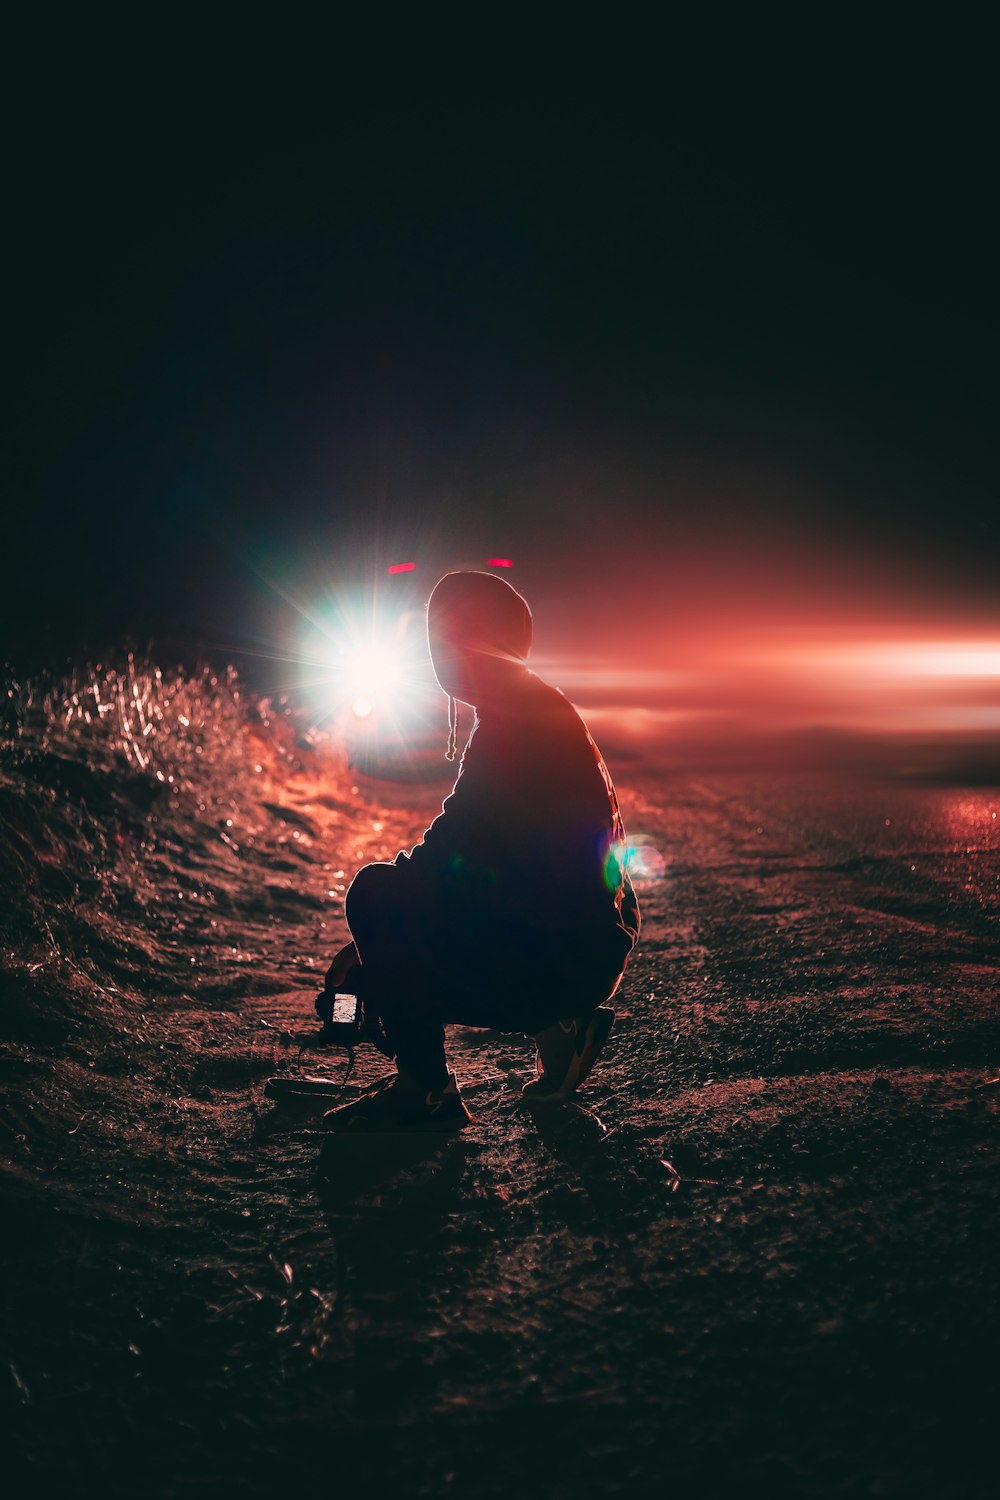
(758, 1258)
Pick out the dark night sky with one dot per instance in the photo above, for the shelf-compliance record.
(711, 328)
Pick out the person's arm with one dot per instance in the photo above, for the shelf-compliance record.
(465, 824)
(341, 966)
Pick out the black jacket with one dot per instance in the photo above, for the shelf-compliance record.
(528, 853)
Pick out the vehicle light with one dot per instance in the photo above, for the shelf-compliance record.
(371, 674)
(402, 568)
(361, 708)
(499, 562)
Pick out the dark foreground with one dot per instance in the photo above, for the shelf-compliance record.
(759, 1258)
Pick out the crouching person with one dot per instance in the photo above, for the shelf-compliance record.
(515, 911)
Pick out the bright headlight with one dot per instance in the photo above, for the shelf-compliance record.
(370, 674)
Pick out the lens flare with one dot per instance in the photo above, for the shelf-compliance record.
(644, 860)
(641, 857)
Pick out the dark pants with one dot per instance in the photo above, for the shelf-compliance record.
(426, 962)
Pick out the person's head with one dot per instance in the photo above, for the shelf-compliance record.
(478, 630)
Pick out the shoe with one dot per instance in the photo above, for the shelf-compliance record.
(400, 1103)
(567, 1051)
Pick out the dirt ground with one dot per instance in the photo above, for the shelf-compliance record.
(757, 1257)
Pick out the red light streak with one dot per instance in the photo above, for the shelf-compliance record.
(877, 684)
(499, 562)
(402, 568)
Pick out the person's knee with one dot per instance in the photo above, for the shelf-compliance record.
(370, 891)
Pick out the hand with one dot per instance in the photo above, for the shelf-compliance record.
(342, 965)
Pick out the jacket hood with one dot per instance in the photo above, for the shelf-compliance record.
(478, 628)
(478, 613)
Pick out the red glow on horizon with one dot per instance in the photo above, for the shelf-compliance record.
(856, 682)
(402, 567)
(499, 562)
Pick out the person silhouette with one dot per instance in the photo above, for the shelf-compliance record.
(515, 911)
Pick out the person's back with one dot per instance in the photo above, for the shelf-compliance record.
(528, 848)
(514, 911)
